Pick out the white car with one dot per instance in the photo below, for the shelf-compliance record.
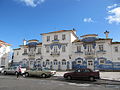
(13, 70)
(1, 69)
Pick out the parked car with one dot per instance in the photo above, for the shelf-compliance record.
(13, 70)
(1, 69)
(41, 72)
(53, 72)
(82, 74)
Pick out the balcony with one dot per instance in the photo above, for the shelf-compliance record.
(31, 55)
(55, 40)
(101, 52)
(79, 52)
(25, 54)
(89, 53)
(55, 53)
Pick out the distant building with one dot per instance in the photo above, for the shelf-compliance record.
(63, 50)
(4, 54)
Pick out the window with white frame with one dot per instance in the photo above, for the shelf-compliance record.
(39, 50)
(25, 50)
(47, 62)
(2, 61)
(55, 37)
(48, 38)
(102, 61)
(78, 48)
(55, 62)
(89, 48)
(63, 62)
(79, 62)
(101, 48)
(63, 48)
(116, 49)
(63, 37)
(55, 49)
(17, 53)
(47, 49)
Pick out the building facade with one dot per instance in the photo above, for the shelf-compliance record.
(63, 50)
(4, 54)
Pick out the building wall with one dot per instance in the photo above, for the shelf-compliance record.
(94, 59)
(4, 55)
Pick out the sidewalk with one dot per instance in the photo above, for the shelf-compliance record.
(103, 75)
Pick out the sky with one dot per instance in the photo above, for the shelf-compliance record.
(27, 19)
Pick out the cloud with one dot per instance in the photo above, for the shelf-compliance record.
(112, 6)
(114, 14)
(32, 3)
(88, 20)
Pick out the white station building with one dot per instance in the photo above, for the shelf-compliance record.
(4, 54)
(64, 50)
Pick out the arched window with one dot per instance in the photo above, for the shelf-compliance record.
(63, 62)
(47, 62)
(55, 62)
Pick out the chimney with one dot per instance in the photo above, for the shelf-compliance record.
(106, 33)
(24, 42)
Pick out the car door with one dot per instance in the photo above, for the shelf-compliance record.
(8, 70)
(33, 72)
(39, 72)
(76, 74)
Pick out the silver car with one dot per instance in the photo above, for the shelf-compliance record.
(13, 70)
(38, 72)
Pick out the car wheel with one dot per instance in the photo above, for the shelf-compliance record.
(26, 74)
(5, 72)
(69, 77)
(91, 78)
(44, 75)
(16, 73)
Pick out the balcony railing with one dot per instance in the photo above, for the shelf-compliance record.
(101, 51)
(31, 55)
(55, 53)
(55, 40)
(79, 52)
(89, 53)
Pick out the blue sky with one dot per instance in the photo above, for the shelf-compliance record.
(27, 19)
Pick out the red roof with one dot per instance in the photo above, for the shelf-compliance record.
(2, 42)
(58, 31)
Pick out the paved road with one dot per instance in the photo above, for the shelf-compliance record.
(10, 82)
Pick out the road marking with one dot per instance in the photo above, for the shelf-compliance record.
(82, 85)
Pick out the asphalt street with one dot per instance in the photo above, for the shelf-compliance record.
(10, 82)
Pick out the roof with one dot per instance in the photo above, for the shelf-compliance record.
(76, 41)
(115, 42)
(89, 39)
(104, 39)
(17, 49)
(59, 31)
(39, 43)
(32, 40)
(89, 35)
(2, 42)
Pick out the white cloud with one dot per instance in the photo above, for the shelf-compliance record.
(112, 6)
(88, 20)
(114, 15)
(32, 3)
